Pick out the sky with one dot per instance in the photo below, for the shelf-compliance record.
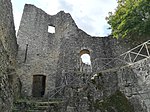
(89, 15)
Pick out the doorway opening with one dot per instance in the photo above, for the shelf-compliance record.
(38, 88)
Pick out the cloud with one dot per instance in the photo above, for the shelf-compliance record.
(85, 22)
(65, 5)
(89, 15)
(106, 30)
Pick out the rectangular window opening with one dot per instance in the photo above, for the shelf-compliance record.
(51, 29)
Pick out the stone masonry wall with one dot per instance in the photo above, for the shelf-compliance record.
(133, 81)
(8, 52)
(41, 57)
(7, 29)
(57, 55)
(52, 55)
(6, 93)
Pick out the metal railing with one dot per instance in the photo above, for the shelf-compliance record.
(136, 54)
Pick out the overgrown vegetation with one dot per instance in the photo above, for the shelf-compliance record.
(115, 103)
(131, 20)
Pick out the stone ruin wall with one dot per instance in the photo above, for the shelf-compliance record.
(54, 54)
(8, 52)
(132, 80)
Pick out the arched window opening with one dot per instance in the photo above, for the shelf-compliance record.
(85, 56)
(38, 88)
(51, 29)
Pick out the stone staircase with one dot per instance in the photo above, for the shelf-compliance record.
(37, 106)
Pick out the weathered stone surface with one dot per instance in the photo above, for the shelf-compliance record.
(5, 88)
(53, 55)
(8, 52)
(7, 29)
(133, 81)
(57, 56)
(56, 59)
(116, 102)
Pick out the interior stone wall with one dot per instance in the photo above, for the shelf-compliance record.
(133, 81)
(8, 52)
(56, 55)
(53, 54)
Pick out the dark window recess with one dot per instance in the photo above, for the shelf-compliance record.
(11, 73)
(38, 89)
(26, 52)
(10, 79)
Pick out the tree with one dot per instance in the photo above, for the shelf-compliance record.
(131, 20)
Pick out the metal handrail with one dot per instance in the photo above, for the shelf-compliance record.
(126, 57)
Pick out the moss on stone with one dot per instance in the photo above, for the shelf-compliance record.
(115, 103)
(100, 74)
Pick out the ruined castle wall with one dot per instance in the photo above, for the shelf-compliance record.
(52, 55)
(7, 29)
(35, 55)
(6, 93)
(132, 80)
(70, 47)
(99, 48)
(38, 49)
(8, 52)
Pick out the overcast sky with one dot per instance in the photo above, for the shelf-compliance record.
(89, 15)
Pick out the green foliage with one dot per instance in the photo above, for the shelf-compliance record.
(131, 19)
